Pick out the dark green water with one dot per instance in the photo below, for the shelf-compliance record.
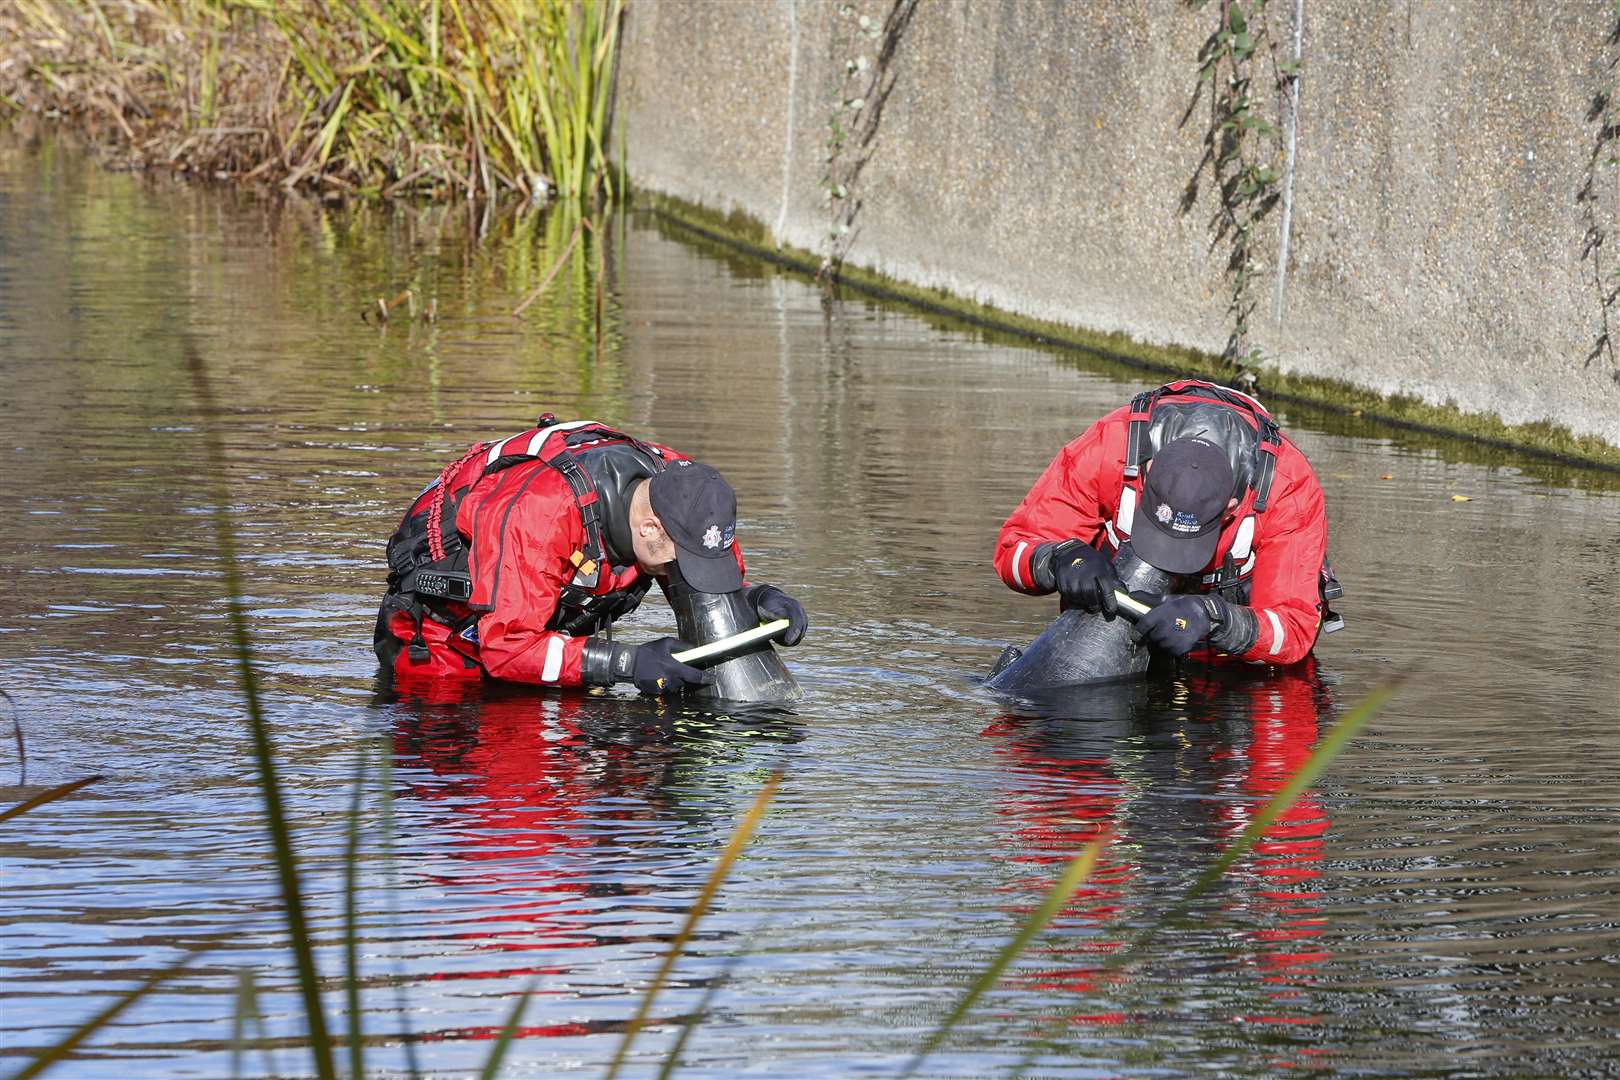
(1445, 901)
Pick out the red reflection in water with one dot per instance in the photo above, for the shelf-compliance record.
(1283, 712)
(532, 799)
(1073, 782)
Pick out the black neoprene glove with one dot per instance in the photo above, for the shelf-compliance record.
(769, 602)
(651, 666)
(1176, 625)
(1081, 574)
(1181, 621)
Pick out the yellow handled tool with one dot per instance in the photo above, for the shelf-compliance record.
(735, 643)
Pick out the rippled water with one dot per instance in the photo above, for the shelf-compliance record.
(1445, 900)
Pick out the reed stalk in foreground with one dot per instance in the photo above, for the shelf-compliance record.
(717, 876)
(1078, 870)
(281, 841)
(1321, 757)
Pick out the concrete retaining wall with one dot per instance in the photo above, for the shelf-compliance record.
(1034, 156)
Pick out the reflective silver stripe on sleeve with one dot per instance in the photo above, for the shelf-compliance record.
(554, 659)
(1018, 554)
(1276, 631)
(1243, 540)
(1127, 509)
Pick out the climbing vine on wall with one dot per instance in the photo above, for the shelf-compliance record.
(1246, 83)
(867, 75)
(1603, 176)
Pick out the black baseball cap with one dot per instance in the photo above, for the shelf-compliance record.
(1184, 497)
(699, 511)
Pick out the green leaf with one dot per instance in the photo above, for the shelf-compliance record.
(739, 839)
(1071, 879)
(1235, 19)
(107, 1015)
(492, 1066)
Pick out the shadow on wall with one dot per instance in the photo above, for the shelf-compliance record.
(1602, 167)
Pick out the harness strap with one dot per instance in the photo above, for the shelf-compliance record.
(587, 561)
(439, 544)
(1136, 433)
(1267, 470)
(1141, 416)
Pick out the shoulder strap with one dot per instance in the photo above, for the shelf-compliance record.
(1137, 429)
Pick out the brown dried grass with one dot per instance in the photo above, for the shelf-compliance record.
(374, 98)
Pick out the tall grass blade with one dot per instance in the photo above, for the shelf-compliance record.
(247, 1008)
(71, 1041)
(402, 1003)
(1324, 754)
(292, 900)
(1073, 876)
(58, 792)
(351, 933)
(673, 1058)
(717, 876)
(497, 1053)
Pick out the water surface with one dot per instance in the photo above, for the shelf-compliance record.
(1446, 900)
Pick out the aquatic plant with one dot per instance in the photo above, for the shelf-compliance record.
(1242, 147)
(853, 121)
(370, 98)
(1600, 184)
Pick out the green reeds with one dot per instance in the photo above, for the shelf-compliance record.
(1321, 757)
(99, 1020)
(292, 899)
(1073, 876)
(1081, 867)
(371, 98)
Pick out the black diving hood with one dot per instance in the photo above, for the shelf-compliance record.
(1079, 647)
(756, 675)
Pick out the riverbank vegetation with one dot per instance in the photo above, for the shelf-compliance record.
(348, 98)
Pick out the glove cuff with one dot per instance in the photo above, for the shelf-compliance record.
(603, 662)
(1042, 574)
(1233, 627)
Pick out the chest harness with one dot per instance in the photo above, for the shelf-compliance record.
(1253, 452)
(428, 557)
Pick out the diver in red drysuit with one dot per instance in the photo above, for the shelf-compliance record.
(519, 557)
(1202, 484)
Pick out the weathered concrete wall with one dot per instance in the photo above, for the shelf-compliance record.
(1034, 156)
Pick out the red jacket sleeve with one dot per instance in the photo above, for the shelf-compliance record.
(1074, 496)
(525, 525)
(1290, 543)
